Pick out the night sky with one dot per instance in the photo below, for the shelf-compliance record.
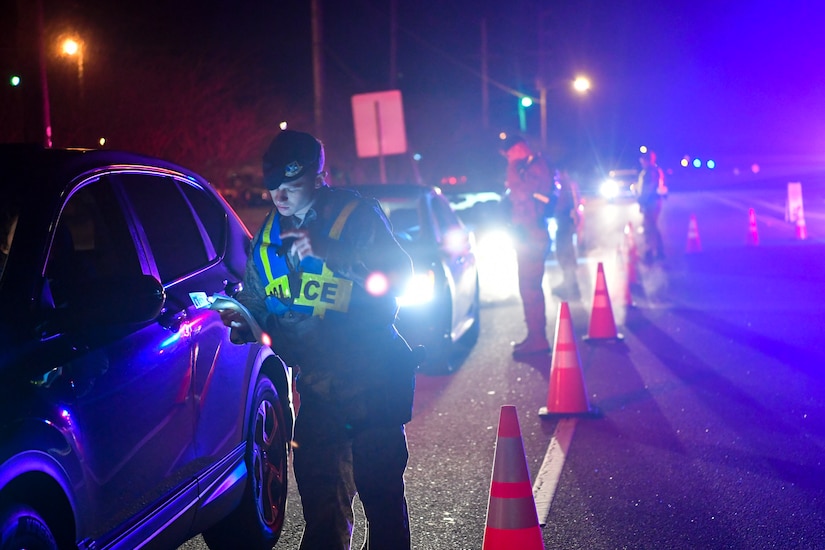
(729, 79)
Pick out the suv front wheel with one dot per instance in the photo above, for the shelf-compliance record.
(257, 522)
(22, 528)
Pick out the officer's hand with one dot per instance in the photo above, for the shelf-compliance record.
(302, 245)
(233, 319)
(240, 332)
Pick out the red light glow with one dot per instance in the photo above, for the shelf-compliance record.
(377, 283)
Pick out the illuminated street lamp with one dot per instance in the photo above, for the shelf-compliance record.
(73, 47)
(581, 84)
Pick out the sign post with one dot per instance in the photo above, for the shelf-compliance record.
(378, 118)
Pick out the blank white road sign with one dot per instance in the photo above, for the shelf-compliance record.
(379, 124)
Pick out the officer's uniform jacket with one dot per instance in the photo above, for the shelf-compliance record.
(318, 313)
(532, 195)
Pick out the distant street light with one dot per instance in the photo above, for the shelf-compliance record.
(581, 84)
(73, 47)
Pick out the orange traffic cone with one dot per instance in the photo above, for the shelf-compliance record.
(602, 325)
(567, 393)
(753, 232)
(512, 520)
(693, 242)
(632, 255)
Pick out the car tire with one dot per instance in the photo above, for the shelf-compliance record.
(21, 527)
(257, 522)
(470, 338)
(439, 350)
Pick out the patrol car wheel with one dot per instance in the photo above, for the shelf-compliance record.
(257, 522)
(21, 527)
(470, 337)
(439, 350)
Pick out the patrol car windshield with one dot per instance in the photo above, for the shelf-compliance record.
(404, 216)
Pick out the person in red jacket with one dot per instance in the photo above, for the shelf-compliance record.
(531, 197)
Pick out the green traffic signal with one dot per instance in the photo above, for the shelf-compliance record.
(14, 80)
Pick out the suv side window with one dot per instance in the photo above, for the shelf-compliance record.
(166, 217)
(210, 212)
(92, 243)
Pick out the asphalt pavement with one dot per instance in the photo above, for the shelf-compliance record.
(710, 424)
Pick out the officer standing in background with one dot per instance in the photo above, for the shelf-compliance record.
(567, 221)
(322, 279)
(531, 199)
(651, 190)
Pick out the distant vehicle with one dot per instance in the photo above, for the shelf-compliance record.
(127, 417)
(487, 214)
(619, 184)
(441, 305)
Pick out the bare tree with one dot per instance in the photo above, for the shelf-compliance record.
(211, 115)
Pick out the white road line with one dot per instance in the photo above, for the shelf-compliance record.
(548, 477)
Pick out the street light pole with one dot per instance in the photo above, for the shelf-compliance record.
(318, 66)
(74, 48)
(543, 112)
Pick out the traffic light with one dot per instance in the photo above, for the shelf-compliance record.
(14, 80)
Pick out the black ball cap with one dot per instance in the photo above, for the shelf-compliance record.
(289, 156)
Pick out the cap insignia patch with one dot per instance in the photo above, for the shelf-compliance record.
(293, 169)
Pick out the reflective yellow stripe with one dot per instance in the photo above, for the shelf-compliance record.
(338, 226)
(281, 284)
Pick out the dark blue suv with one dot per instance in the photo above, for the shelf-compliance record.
(127, 417)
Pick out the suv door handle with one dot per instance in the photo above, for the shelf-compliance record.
(173, 321)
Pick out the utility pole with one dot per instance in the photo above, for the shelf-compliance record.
(393, 81)
(317, 66)
(37, 126)
(485, 84)
(541, 79)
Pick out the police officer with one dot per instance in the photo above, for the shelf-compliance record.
(567, 221)
(651, 189)
(531, 198)
(322, 278)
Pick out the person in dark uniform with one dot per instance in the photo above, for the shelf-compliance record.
(651, 190)
(531, 199)
(322, 279)
(567, 221)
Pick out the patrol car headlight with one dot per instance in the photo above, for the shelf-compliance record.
(491, 244)
(496, 258)
(420, 290)
(609, 189)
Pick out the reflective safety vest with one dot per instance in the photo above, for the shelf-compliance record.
(313, 288)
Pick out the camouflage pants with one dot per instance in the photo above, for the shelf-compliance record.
(530, 258)
(333, 461)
